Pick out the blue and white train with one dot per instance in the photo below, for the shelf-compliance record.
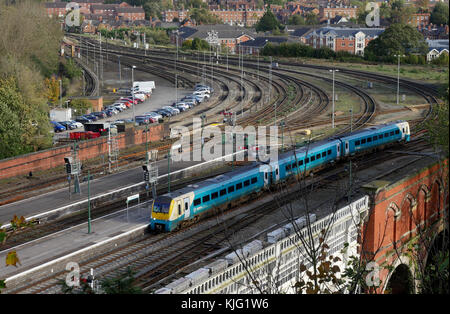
(184, 206)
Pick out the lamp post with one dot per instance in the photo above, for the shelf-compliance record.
(332, 113)
(89, 203)
(120, 72)
(60, 93)
(132, 89)
(398, 76)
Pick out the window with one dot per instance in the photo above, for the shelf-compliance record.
(386, 134)
(288, 167)
(239, 186)
(294, 165)
(179, 209)
(186, 206)
(205, 198)
(380, 136)
(313, 158)
(246, 182)
(391, 133)
(324, 154)
(230, 189)
(254, 180)
(300, 163)
(363, 141)
(329, 152)
(369, 139)
(307, 161)
(397, 131)
(357, 143)
(318, 156)
(346, 145)
(276, 171)
(197, 202)
(223, 192)
(214, 195)
(375, 138)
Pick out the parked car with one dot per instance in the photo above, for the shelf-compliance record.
(77, 124)
(99, 114)
(164, 112)
(172, 109)
(68, 125)
(140, 120)
(58, 127)
(108, 113)
(124, 102)
(154, 114)
(201, 92)
(202, 86)
(119, 106)
(189, 102)
(83, 120)
(130, 100)
(91, 117)
(191, 98)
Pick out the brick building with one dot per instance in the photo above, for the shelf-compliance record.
(131, 13)
(56, 9)
(352, 40)
(170, 15)
(419, 19)
(330, 12)
(239, 17)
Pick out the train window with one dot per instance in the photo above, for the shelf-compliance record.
(386, 134)
(318, 156)
(391, 133)
(214, 195)
(300, 162)
(197, 202)
(313, 158)
(375, 138)
(231, 189)
(324, 154)
(363, 141)
(329, 152)
(346, 145)
(380, 136)
(306, 160)
(186, 206)
(403, 130)
(205, 198)
(294, 165)
(357, 143)
(239, 186)
(288, 167)
(276, 171)
(397, 131)
(246, 182)
(265, 175)
(369, 139)
(254, 180)
(223, 192)
(179, 209)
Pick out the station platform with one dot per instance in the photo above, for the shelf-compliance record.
(38, 256)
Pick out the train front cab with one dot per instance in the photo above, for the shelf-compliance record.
(404, 130)
(161, 212)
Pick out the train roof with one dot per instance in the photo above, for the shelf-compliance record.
(220, 179)
(369, 129)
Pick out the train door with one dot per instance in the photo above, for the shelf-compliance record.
(187, 210)
(276, 172)
(347, 148)
(178, 208)
(265, 170)
(338, 150)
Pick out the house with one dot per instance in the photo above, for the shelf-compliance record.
(352, 40)
(299, 33)
(130, 13)
(218, 34)
(419, 19)
(436, 48)
(242, 17)
(254, 46)
(56, 9)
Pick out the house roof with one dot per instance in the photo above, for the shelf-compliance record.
(262, 41)
(130, 10)
(223, 31)
(437, 43)
(347, 31)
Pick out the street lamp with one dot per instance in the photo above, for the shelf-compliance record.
(332, 113)
(398, 75)
(132, 88)
(60, 93)
(120, 71)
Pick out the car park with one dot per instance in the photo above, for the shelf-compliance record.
(83, 120)
(126, 103)
(155, 115)
(189, 102)
(99, 114)
(91, 117)
(130, 100)
(165, 113)
(76, 124)
(140, 120)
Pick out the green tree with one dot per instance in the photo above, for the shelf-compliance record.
(439, 15)
(438, 128)
(400, 13)
(203, 16)
(296, 19)
(396, 39)
(80, 106)
(312, 19)
(268, 22)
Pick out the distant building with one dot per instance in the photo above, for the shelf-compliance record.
(436, 48)
(239, 17)
(254, 47)
(170, 15)
(434, 31)
(352, 40)
(329, 12)
(419, 19)
(227, 36)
